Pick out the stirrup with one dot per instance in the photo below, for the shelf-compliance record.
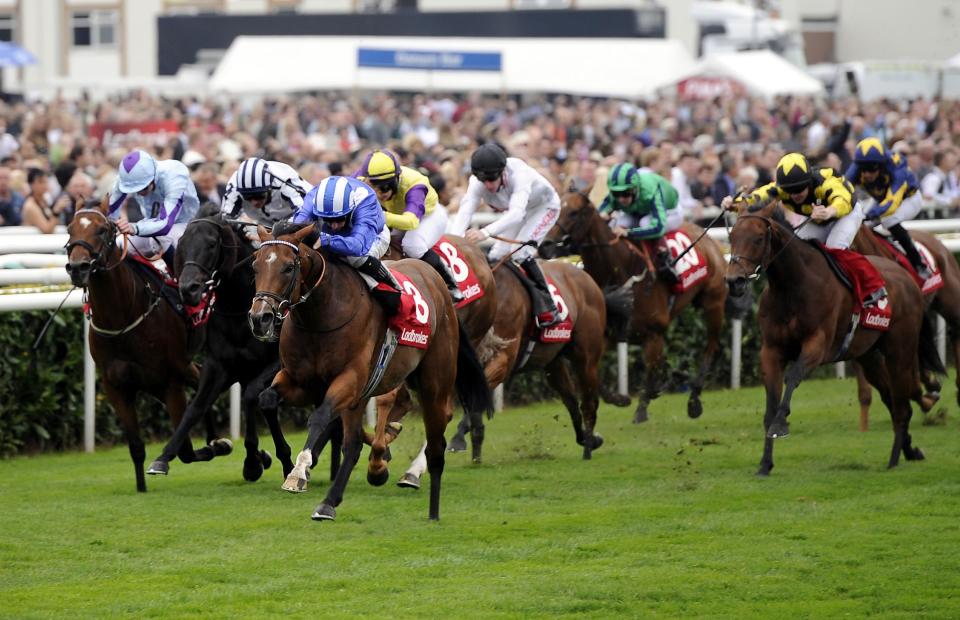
(874, 298)
(546, 319)
(455, 294)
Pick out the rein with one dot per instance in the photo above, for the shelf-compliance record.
(760, 266)
(280, 305)
(109, 241)
(119, 332)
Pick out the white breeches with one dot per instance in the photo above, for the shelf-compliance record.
(533, 227)
(417, 241)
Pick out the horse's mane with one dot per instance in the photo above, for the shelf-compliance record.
(286, 227)
(209, 209)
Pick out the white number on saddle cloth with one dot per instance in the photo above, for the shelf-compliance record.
(457, 265)
(677, 244)
(927, 257)
(558, 302)
(421, 308)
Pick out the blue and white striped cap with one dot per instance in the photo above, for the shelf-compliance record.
(336, 197)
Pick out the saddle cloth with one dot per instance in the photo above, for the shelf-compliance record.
(934, 282)
(466, 279)
(412, 321)
(169, 289)
(860, 276)
(692, 268)
(562, 330)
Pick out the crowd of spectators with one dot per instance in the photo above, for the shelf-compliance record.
(708, 149)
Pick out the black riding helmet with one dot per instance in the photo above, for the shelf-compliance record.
(794, 173)
(488, 161)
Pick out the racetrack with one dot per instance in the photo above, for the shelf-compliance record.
(666, 520)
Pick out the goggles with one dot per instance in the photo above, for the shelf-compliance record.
(385, 185)
(869, 167)
(622, 193)
(255, 195)
(488, 175)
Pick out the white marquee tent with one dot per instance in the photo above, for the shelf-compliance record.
(762, 73)
(626, 68)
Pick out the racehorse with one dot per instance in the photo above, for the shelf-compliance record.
(214, 258)
(332, 331)
(476, 319)
(513, 345)
(944, 301)
(805, 315)
(619, 266)
(138, 341)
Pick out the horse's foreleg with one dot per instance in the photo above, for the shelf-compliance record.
(124, 403)
(771, 365)
(213, 382)
(558, 376)
(377, 470)
(353, 442)
(713, 313)
(652, 364)
(811, 354)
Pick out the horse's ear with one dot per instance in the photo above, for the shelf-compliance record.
(571, 187)
(105, 204)
(263, 232)
(301, 234)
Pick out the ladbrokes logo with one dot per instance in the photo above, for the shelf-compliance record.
(472, 291)
(693, 277)
(876, 320)
(557, 333)
(408, 336)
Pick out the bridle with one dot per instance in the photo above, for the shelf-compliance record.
(108, 242)
(765, 260)
(281, 305)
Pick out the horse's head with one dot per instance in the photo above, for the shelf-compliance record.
(572, 227)
(93, 238)
(203, 255)
(279, 279)
(750, 241)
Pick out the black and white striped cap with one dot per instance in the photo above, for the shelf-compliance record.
(254, 176)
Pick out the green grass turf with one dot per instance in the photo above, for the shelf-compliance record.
(667, 520)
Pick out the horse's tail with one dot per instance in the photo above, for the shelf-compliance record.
(471, 382)
(929, 356)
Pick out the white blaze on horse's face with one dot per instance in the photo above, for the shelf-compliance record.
(271, 258)
(84, 222)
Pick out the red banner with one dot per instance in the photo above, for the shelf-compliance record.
(99, 130)
(709, 88)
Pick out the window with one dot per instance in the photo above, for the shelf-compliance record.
(94, 28)
(8, 27)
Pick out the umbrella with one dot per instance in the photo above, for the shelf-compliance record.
(12, 55)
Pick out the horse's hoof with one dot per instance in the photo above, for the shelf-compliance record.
(252, 468)
(295, 484)
(477, 460)
(616, 399)
(640, 417)
(324, 512)
(221, 446)
(916, 455)
(266, 460)
(159, 468)
(457, 444)
(597, 441)
(409, 481)
(778, 429)
(378, 479)
(763, 472)
(694, 408)
(587, 454)
(393, 429)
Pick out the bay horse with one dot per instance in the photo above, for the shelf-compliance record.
(476, 320)
(331, 331)
(138, 341)
(804, 314)
(622, 269)
(944, 301)
(513, 346)
(214, 257)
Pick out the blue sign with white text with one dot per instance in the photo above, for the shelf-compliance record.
(434, 60)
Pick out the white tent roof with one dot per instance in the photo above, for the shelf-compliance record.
(762, 72)
(604, 67)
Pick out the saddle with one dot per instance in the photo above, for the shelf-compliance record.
(168, 289)
(855, 272)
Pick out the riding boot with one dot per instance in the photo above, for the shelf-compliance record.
(388, 297)
(913, 255)
(544, 309)
(666, 270)
(433, 259)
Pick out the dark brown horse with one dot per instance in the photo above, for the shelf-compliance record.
(805, 314)
(331, 336)
(572, 367)
(616, 263)
(138, 341)
(944, 301)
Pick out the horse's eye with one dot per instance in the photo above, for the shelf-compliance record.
(288, 268)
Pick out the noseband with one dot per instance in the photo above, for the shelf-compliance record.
(108, 242)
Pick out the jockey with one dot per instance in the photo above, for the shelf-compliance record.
(264, 192)
(530, 207)
(352, 226)
(167, 199)
(894, 194)
(802, 190)
(412, 208)
(647, 205)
